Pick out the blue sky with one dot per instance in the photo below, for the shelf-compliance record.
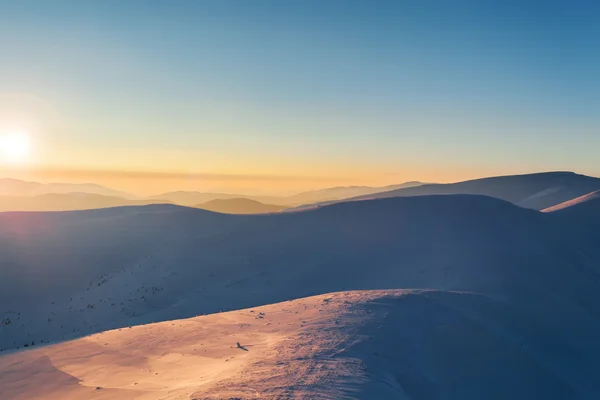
(320, 91)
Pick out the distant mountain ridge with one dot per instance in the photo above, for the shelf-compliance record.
(68, 202)
(19, 195)
(17, 187)
(539, 191)
(193, 198)
(536, 191)
(343, 192)
(239, 206)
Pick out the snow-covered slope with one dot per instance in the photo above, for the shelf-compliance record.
(578, 203)
(580, 220)
(535, 191)
(351, 345)
(66, 274)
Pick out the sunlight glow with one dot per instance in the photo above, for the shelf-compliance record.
(15, 147)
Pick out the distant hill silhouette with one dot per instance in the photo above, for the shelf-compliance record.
(536, 191)
(342, 192)
(193, 198)
(16, 187)
(239, 206)
(68, 201)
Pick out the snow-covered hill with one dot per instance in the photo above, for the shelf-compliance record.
(577, 204)
(535, 191)
(63, 275)
(350, 345)
(580, 219)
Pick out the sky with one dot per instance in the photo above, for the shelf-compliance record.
(279, 96)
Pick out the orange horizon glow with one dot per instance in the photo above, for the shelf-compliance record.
(146, 183)
(135, 156)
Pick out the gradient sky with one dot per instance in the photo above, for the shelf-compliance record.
(266, 96)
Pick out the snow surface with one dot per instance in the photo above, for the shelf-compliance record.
(506, 307)
(350, 345)
(579, 201)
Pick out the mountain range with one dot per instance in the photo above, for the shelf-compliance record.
(67, 202)
(536, 191)
(239, 206)
(443, 296)
(187, 198)
(483, 289)
(16, 187)
(17, 195)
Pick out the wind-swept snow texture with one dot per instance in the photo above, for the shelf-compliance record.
(350, 345)
(500, 301)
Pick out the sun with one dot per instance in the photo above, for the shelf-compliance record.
(15, 146)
